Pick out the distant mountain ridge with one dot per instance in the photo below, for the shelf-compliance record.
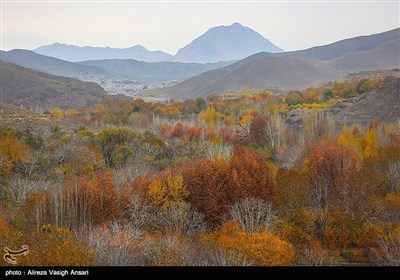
(152, 72)
(220, 43)
(75, 53)
(143, 72)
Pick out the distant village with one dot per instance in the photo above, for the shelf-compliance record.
(115, 86)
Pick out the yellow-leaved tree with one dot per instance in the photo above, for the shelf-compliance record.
(211, 116)
(12, 151)
(171, 191)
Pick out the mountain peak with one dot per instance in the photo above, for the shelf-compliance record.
(236, 24)
(138, 47)
(224, 43)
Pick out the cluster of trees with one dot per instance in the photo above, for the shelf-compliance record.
(331, 92)
(202, 182)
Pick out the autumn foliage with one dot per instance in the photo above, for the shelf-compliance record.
(227, 180)
(261, 248)
(50, 246)
(214, 185)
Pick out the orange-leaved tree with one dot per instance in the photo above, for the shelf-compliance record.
(214, 185)
(263, 248)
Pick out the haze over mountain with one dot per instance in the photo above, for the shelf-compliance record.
(51, 65)
(295, 70)
(29, 88)
(152, 72)
(75, 53)
(220, 43)
(143, 72)
(225, 43)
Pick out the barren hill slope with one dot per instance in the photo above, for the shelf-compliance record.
(34, 89)
(47, 64)
(267, 72)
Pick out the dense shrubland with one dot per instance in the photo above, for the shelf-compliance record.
(205, 182)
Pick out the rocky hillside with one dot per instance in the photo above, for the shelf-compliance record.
(382, 104)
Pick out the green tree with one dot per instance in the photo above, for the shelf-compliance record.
(113, 144)
(199, 105)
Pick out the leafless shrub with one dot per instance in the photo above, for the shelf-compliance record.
(20, 187)
(167, 250)
(174, 250)
(117, 246)
(121, 245)
(141, 213)
(128, 173)
(253, 214)
(274, 130)
(388, 251)
(243, 132)
(290, 156)
(219, 150)
(394, 176)
(203, 256)
(325, 129)
(181, 219)
(178, 218)
(316, 256)
(310, 119)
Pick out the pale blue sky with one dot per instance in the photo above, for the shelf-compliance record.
(169, 26)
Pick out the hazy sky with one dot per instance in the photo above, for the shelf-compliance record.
(169, 26)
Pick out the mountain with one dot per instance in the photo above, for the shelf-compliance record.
(347, 46)
(224, 43)
(384, 56)
(221, 43)
(51, 65)
(75, 53)
(382, 104)
(268, 72)
(152, 72)
(33, 89)
(144, 72)
(295, 70)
